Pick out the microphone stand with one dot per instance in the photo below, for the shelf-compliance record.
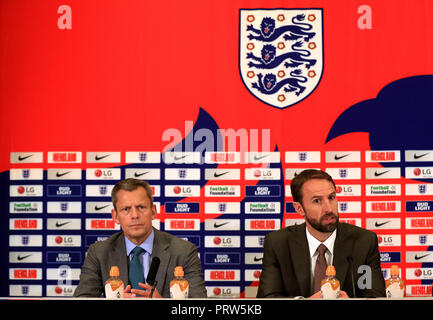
(153, 289)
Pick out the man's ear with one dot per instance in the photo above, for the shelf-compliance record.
(154, 212)
(114, 216)
(299, 208)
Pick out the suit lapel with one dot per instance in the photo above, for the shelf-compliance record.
(300, 256)
(118, 258)
(342, 250)
(160, 245)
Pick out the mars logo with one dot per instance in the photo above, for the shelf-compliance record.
(281, 53)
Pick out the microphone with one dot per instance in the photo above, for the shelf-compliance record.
(350, 261)
(153, 270)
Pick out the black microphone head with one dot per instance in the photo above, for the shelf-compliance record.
(153, 270)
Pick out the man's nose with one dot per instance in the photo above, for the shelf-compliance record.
(327, 206)
(134, 212)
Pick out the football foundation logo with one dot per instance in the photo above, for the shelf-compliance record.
(281, 53)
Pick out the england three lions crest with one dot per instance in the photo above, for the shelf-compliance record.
(281, 53)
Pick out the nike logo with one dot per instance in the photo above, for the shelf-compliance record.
(378, 174)
(377, 224)
(58, 174)
(258, 259)
(216, 175)
(419, 258)
(415, 156)
(61, 224)
(97, 158)
(100, 208)
(19, 258)
(257, 158)
(336, 157)
(136, 174)
(180, 158)
(217, 225)
(21, 158)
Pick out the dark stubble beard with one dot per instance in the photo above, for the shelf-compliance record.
(330, 227)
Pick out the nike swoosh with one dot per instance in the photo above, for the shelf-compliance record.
(415, 156)
(19, 258)
(377, 224)
(216, 175)
(180, 158)
(100, 208)
(419, 258)
(217, 225)
(58, 225)
(341, 157)
(20, 158)
(378, 174)
(97, 158)
(58, 175)
(140, 174)
(258, 259)
(256, 158)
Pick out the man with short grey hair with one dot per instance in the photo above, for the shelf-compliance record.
(133, 249)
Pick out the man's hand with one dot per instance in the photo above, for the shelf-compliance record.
(137, 293)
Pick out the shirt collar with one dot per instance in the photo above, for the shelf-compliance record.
(313, 243)
(146, 244)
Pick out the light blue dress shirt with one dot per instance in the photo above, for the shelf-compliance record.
(145, 258)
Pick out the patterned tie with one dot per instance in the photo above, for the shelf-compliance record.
(136, 269)
(320, 270)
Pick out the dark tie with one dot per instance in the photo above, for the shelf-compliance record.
(320, 270)
(136, 269)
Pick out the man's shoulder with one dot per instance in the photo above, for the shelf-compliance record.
(286, 232)
(172, 240)
(355, 231)
(109, 242)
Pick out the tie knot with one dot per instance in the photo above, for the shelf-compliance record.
(322, 249)
(137, 251)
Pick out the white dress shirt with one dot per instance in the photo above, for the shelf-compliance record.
(313, 244)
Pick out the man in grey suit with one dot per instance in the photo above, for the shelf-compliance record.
(134, 210)
(295, 257)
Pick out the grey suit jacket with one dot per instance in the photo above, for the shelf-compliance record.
(287, 265)
(171, 251)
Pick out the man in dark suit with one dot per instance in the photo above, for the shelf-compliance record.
(134, 210)
(293, 261)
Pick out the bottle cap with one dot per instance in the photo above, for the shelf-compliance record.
(330, 271)
(395, 271)
(178, 272)
(114, 271)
